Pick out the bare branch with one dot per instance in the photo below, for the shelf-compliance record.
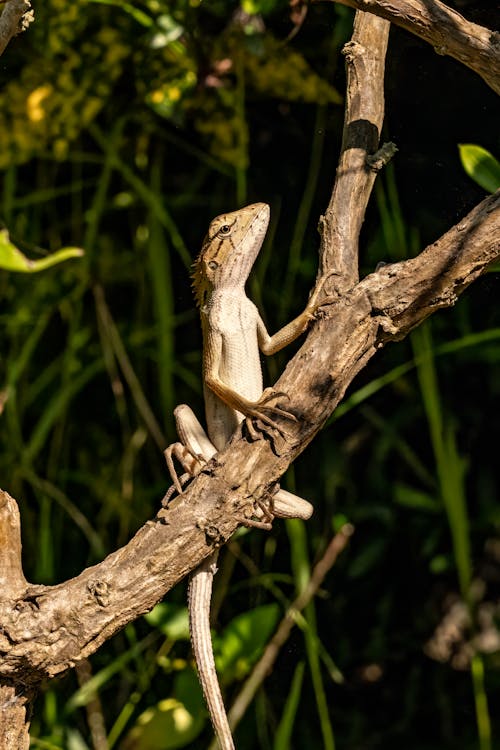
(449, 33)
(16, 17)
(364, 114)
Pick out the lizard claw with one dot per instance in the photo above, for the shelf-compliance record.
(262, 412)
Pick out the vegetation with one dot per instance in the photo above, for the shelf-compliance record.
(124, 128)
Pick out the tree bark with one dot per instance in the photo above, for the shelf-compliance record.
(15, 715)
(15, 17)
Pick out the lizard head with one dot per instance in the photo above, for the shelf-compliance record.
(229, 250)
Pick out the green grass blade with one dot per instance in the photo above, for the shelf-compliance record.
(56, 407)
(161, 280)
(481, 701)
(87, 692)
(149, 197)
(451, 473)
(364, 393)
(304, 212)
(283, 736)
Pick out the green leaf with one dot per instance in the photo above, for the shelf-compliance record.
(12, 259)
(263, 7)
(165, 726)
(171, 619)
(242, 642)
(480, 165)
(412, 498)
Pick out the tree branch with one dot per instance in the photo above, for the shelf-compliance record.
(74, 618)
(364, 114)
(16, 17)
(449, 33)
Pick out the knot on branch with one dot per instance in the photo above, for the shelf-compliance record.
(352, 50)
(213, 536)
(377, 161)
(101, 591)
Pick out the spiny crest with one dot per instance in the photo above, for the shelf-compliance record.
(199, 281)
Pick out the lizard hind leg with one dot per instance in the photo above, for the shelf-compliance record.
(192, 450)
(191, 464)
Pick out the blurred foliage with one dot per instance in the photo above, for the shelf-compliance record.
(124, 129)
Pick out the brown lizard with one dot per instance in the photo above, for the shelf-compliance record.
(233, 336)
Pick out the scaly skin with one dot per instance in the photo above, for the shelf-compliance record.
(233, 336)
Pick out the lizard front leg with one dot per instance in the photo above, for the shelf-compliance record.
(261, 410)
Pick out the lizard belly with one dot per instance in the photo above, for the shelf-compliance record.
(239, 365)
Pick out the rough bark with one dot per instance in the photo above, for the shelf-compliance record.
(15, 17)
(364, 114)
(449, 33)
(15, 714)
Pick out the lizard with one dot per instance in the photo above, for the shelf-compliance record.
(233, 333)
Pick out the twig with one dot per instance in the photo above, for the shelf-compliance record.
(93, 708)
(449, 33)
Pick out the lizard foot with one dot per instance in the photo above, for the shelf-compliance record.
(259, 417)
(181, 482)
(191, 462)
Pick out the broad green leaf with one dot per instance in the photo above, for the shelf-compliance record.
(171, 619)
(243, 640)
(480, 165)
(187, 690)
(12, 259)
(166, 726)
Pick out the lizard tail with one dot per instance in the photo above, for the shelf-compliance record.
(199, 596)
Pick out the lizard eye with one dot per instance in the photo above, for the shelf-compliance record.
(226, 229)
(213, 264)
